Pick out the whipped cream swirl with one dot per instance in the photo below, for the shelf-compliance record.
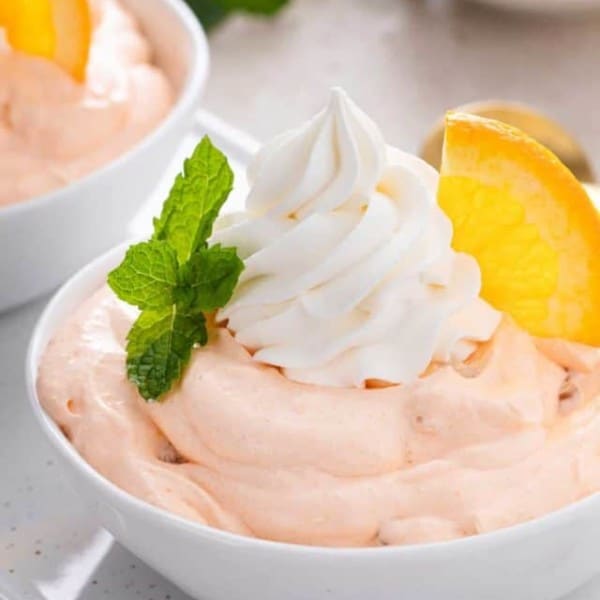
(350, 277)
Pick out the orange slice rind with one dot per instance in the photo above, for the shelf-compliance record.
(58, 30)
(529, 223)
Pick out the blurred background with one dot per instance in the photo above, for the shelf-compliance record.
(404, 61)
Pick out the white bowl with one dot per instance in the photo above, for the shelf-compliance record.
(541, 559)
(45, 239)
(544, 6)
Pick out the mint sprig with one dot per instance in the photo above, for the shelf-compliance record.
(195, 200)
(176, 277)
(159, 347)
(212, 12)
(148, 275)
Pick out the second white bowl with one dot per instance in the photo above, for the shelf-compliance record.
(545, 6)
(45, 239)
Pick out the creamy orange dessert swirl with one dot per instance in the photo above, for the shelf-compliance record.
(505, 432)
(55, 129)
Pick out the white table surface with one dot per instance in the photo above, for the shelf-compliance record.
(405, 62)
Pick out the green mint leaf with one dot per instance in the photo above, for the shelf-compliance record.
(176, 277)
(159, 347)
(195, 200)
(257, 7)
(147, 277)
(212, 12)
(209, 12)
(212, 274)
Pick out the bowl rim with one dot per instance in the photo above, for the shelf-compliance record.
(186, 102)
(549, 7)
(46, 326)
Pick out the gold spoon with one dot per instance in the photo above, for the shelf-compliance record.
(540, 127)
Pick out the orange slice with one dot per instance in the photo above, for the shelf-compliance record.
(529, 223)
(59, 30)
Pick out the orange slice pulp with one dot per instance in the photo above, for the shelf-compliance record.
(59, 30)
(529, 223)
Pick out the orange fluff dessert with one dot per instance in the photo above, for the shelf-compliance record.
(78, 89)
(406, 356)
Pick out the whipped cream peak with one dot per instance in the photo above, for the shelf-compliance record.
(350, 276)
(334, 161)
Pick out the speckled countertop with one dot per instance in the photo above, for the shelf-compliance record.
(405, 62)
